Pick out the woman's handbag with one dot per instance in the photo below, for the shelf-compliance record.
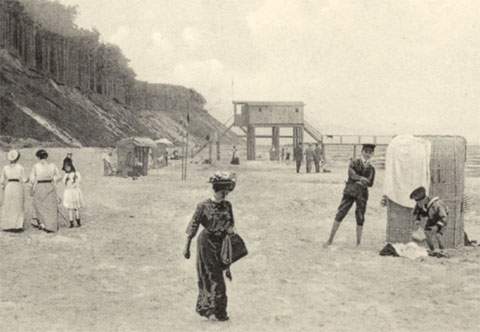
(233, 248)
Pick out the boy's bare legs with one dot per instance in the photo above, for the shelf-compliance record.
(335, 226)
(359, 234)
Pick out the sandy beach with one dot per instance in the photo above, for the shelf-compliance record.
(123, 270)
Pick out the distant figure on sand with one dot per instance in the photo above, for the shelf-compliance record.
(235, 160)
(298, 155)
(435, 213)
(72, 196)
(216, 217)
(361, 175)
(175, 155)
(44, 177)
(11, 182)
(318, 158)
(282, 154)
(273, 154)
(165, 156)
(107, 163)
(309, 157)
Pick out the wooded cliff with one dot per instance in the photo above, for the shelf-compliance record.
(77, 84)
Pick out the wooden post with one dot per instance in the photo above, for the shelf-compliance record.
(294, 137)
(276, 142)
(183, 158)
(210, 151)
(251, 142)
(322, 145)
(146, 156)
(186, 154)
(355, 146)
(217, 143)
(297, 135)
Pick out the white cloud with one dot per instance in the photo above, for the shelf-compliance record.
(353, 62)
(212, 79)
(207, 71)
(192, 37)
(120, 36)
(161, 43)
(277, 16)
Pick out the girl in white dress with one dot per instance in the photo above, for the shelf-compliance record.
(72, 196)
(12, 179)
(44, 177)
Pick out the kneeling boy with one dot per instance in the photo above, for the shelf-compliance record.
(435, 212)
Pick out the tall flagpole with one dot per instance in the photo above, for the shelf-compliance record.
(186, 145)
(183, 155)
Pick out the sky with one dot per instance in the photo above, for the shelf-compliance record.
(361, 67)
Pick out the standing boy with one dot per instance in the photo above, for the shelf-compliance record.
(435, 212)
(298, 155)
(361, 175)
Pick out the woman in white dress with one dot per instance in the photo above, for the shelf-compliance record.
(72, 196)
(12, 179)
(44, 177)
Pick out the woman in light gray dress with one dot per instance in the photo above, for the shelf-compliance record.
(12, 179)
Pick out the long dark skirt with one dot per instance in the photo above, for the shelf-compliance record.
(45, 206)
(212, 296)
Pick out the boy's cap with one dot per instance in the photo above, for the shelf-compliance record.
(418, 194)
(368, 146)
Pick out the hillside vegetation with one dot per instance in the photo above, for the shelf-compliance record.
(59, 83)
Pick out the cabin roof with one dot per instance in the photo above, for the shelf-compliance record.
(269, 103)
(137, 141)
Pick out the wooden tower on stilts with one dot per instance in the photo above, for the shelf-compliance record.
(249, 115)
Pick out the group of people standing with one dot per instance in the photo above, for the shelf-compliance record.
(313, 155)
(42, 182)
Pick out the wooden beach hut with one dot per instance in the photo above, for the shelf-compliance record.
(447, 163)
(133, 155)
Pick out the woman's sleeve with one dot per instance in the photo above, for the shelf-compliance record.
(2, 177)
(23, 178)
(33, 175)
(194, 224)
(64, 181)
(56, 173)
(231, 213)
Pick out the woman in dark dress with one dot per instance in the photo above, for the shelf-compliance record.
(216, 217)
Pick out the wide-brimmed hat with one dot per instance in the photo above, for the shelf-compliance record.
(223, 180)
(418, 194)
(13, 155)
